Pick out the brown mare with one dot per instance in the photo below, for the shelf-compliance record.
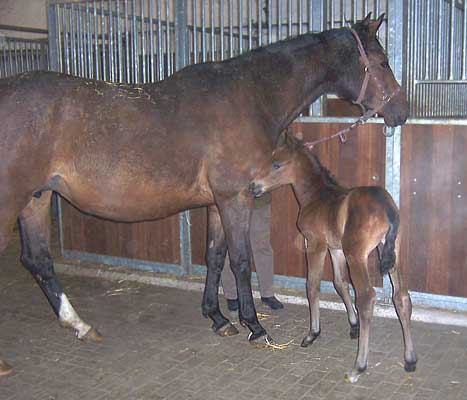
(135, 153)
(349, 223)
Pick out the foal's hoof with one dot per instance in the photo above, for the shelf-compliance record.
(309, 339)
(92, 336)
(227, 330)
(261, 342)
(5, 368)
(352, 376)
(354, 331)
(410, 366)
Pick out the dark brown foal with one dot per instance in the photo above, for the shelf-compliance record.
(350, 223)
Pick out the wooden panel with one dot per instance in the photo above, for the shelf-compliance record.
(360, 161)
(341, 108)
(433, 216)
(156, 241)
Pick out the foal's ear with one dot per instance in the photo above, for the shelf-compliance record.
(291, 140)
(374, 26)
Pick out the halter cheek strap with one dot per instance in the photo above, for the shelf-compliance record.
(366, 63)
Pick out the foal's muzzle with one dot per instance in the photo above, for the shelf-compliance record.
(256, 189)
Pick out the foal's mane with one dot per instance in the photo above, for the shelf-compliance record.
(319, 168)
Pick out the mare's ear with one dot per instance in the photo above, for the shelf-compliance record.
(366, 20)
(374, 25)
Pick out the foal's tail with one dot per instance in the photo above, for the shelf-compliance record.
(388, 254)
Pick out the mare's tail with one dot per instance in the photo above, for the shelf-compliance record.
(388, 254)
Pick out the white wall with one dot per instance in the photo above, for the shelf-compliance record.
(27, 13)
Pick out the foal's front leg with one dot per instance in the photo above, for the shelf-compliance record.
(315, 255)
(215, 255)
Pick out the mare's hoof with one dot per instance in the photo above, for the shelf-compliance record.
(5, 368)
(227, 330)
(354, 331)
(93, 336)
(262, 341)
(410, 366)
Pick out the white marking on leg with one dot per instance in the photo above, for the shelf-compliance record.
(211, 244)
(68, 317)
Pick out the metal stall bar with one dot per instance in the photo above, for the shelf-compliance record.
(54, 34)
(395, 38)
(317, 21)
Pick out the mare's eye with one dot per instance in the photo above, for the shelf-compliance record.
(276, 165)
(385, 64)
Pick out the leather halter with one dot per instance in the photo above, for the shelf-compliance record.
(371, 112)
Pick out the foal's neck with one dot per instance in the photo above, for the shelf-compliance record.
(313, 185)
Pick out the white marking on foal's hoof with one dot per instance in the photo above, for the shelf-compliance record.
(70, 319)
(352, 376)
(5, 368)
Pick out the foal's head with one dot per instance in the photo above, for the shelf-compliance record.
(291, 163)
(381, 85)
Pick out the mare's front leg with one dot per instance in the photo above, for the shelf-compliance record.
(341, 283)
(235, 213)
(315, 255)
(216, 251)
(34, 222)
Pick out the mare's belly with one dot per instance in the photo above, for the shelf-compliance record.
(136, 202)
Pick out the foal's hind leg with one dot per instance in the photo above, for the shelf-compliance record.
(366, 298)
(215, 257)
(341, 283)
(403, 307)
(34, 223)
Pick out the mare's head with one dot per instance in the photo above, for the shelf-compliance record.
(291, 163)
(381, 83)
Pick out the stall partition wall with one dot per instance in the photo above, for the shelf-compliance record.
(20, 54)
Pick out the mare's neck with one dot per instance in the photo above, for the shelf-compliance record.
(292, 74)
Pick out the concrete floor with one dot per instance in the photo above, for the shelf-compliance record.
(158, 346)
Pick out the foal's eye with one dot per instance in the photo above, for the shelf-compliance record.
(276, 165)
(385, 64)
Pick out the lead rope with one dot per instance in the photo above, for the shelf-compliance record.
(367, 115)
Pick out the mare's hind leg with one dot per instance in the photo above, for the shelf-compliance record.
(341, 283)
(403, 307)
(34, 223)
(215, 256)
(315, 260)
(366, 298)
